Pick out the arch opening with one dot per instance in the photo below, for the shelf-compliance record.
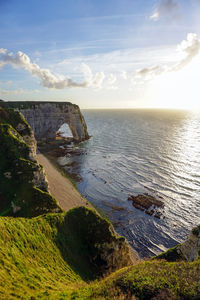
(64, 132)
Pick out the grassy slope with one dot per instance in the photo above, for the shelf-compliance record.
(50, 254)
(45, 258)
(151, 279)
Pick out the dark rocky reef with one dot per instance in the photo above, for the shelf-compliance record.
(45, 118)
(147, 203)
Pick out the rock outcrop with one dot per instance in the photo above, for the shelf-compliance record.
(23, 185)
(190, 248)
(45, 118)
(147, 203)
(107, 252)
(187, 251)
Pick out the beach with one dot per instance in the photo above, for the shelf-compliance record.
(60, 187)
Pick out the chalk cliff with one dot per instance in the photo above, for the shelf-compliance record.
(23, 186)
(189, 249)
(45, 118)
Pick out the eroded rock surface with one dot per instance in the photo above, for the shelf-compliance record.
(45, 118)
(190, 248)
(147, 203)
(24, 189)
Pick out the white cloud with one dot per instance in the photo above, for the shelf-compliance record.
(188, 49)
(48, 79)
(3, 51)
(124, 75)
(98, 79)
(165, 8)
(16, 92)
(111, 79)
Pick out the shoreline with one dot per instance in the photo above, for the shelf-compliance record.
(61, 188)
(60, 182)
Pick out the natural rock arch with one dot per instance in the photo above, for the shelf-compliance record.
(46, 118)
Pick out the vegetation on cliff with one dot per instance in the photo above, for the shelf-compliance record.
(23, 187)
(51, 257)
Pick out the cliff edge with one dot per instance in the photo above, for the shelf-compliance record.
(24, 189)
(45, 118)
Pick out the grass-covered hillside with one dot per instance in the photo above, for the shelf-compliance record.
(55, 256)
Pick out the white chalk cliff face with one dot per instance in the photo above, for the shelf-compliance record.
(45, 118)
(190, 248)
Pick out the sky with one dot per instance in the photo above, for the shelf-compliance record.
(101, 54)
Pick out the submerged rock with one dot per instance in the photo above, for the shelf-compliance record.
(147, 203)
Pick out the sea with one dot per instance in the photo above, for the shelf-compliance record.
(137, 151)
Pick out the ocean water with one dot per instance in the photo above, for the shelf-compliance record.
(138, 151)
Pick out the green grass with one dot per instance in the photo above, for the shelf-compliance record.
(31, 261)
(49, 257)
(180, 280)
(51, 254)
(170, 255)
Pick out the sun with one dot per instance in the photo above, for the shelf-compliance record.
(179, 90)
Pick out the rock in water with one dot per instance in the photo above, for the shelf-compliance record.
(147, 203)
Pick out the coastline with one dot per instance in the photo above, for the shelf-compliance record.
(60, 187)
(60, 184)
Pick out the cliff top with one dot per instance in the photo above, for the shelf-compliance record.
(29, 104)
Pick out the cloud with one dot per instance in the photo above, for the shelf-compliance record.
(124, 75)
(111, 79)
(16, 92)
(3, 51)
(98, 79)
(49, 80)
(149, 73)
(188, 49)
(165, 8)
